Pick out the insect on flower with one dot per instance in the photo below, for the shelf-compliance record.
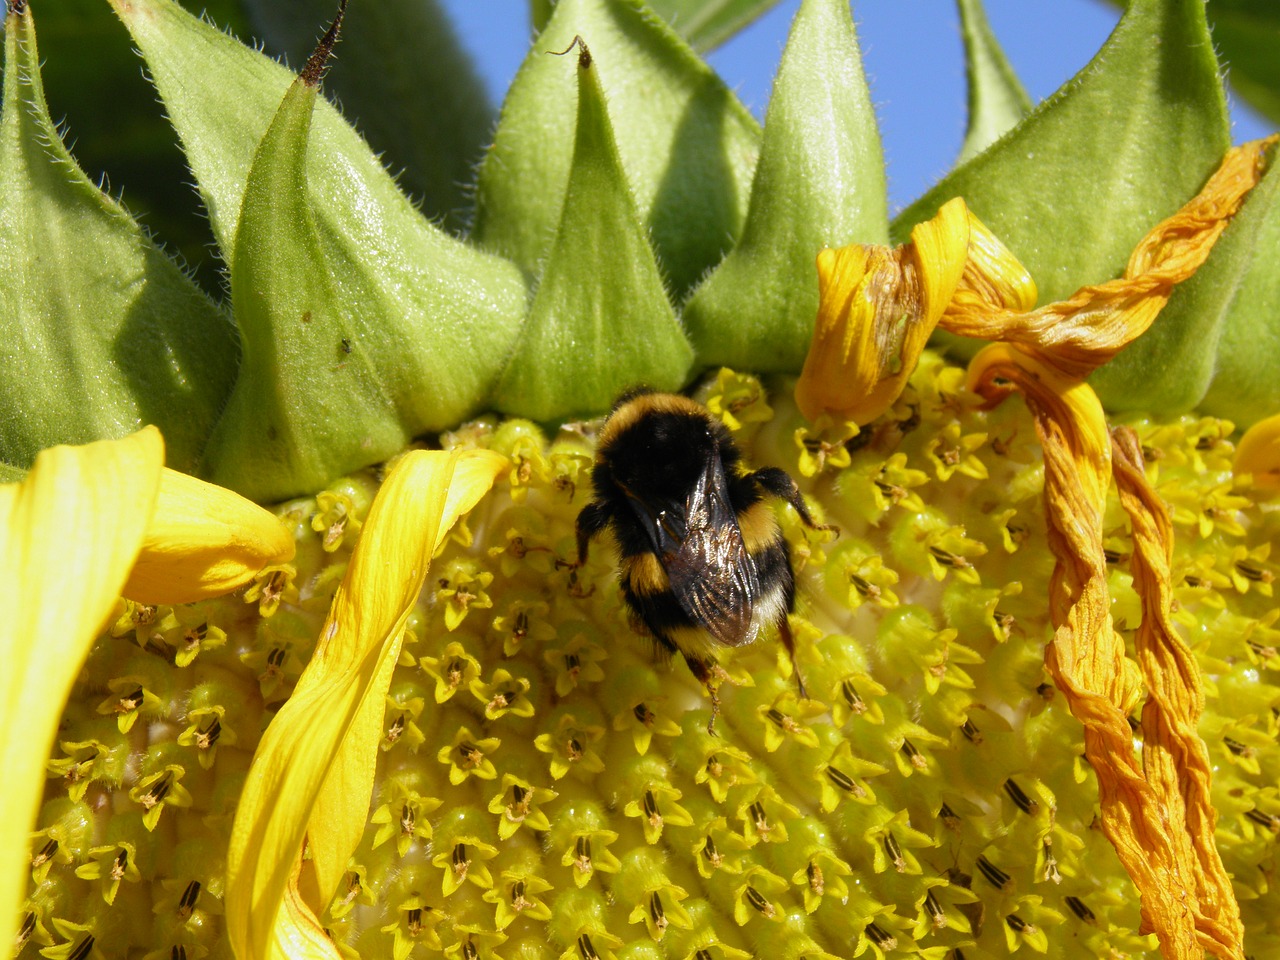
(702, 559)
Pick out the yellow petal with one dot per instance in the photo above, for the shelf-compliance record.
(1258, 453)
(877, 308)
(1080, 334)
(993, 279)
(1157, 814)
(69, 533)
(204, 541)
(1175, 759)
(312, 774)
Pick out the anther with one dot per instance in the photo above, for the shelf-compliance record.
(187, 902)
(757, 900)
(1023, 802)
(651, 808)
(657, 913)
(1081, 910)
(915, 756)
(852, 697)
(895, 853)
(407, 818)
(582, 854)
(759, 818)
(585, 948)
(45, 853)
(813, 873)
(207, 737)
(1016, 923)
(845, 782)
(995, 876)
(934, 909)
(882, 940)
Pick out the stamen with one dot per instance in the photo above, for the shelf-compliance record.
(1016, 923)
(582, 854)
(813, 873)
(852, 697)
(934, 909)
(1081, 910)
(1023, 802)
(894, 852)
(758, 900)
(657, 913)
(917, 758)
(995, 876)
(882, 939)
(187, 902)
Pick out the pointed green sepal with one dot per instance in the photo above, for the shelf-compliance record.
(102, 332)
(819, 183)
(1247, 33)
(1075, 186)
(1216, 344)
(708, 23)
(997, 100)
(688, 145)
(348, 353)
(406, 83)
(600, 320)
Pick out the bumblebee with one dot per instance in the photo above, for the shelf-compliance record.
(702, 560)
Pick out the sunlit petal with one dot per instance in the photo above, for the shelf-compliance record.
(313, 772)
(204, 541)
(69, 533)
(877, 309)
(1258, 453)
(1081, 333)
(1175, 759)
(1157, 814)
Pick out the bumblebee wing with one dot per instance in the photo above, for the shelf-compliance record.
(711, 574)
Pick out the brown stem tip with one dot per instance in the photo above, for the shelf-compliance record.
(316, 63)
(584, 55)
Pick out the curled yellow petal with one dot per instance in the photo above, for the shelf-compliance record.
(1258, 453)
(993, 279)
(1081, 333)
(204, 541)
(1174, 757)
(312, 774)
(878, 306)
(1156, 814)
(69, 533)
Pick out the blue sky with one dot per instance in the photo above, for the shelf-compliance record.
(911, 52)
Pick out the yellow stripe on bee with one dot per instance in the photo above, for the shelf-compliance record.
(695, 641)
(759, 527)
(644, 574)
(633, 411)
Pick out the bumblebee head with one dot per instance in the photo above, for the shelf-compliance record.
(660, 443)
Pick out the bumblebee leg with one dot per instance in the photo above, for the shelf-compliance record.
(779, 483)
(702, 672)
(593, 518)
(789, 641)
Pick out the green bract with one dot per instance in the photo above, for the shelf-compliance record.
(819, 183)
(631, 224)
(405, 82)
(102, 332)
(600, 318)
